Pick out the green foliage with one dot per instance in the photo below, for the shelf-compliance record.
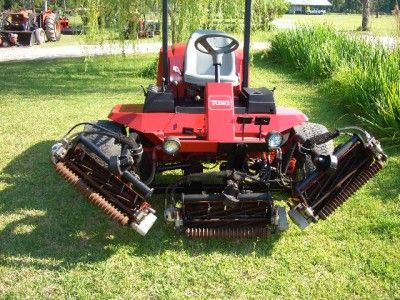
(372, 91)
(222, 15)
(112, 16)
(346, 6)
(38, 4)
(354, 6)
(366, 75)
(265, 11)
(320, 50)
(150, 70)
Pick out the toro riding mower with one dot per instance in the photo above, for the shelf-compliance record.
(232, 145)
(31, 28)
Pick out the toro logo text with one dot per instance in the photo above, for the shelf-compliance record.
(220, 104)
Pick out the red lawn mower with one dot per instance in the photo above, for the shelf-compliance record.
(234, 147)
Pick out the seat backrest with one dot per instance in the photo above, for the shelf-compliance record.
(198, 67)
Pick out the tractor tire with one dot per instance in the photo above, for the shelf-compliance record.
(145, 168)
(40, 36)
(309, 130)
(53, 30)
(106, 144)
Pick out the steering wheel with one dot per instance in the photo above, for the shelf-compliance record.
(216, 51)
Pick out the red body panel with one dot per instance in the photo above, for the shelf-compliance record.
(157, 126)
(220, 110)
(217, 126)
(64, 23)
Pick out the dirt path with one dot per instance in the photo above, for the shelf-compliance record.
(37, 52)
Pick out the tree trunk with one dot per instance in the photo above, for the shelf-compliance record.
(365, 16)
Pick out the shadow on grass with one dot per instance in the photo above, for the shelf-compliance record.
(47, 224)
(75, 76)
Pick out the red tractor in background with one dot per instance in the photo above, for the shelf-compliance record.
(233, 145)
(30, 27)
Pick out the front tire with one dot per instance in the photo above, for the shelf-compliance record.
(307, 131)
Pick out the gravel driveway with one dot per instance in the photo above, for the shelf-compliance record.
(37, 52)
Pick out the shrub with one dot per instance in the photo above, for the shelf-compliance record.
(319, 51)
(366, 73)
(372, 92)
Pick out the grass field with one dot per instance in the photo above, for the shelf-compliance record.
(54, 244)
(384, 25)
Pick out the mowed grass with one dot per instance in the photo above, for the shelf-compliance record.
(54, 244)
(66, 40)
(384, 25)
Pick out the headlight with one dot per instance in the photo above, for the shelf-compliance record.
(171, 145)
(274, 140)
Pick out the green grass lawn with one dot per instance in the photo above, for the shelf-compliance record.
(66, 40)
(384, 25)
(54, 244)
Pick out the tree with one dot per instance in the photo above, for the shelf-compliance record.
(352, 6)
(365, 15)
(338, 5)
(266, 12)
(185, 16)
(221, 15)
(355, 6)
(377, 6)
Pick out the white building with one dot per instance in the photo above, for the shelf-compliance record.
(300, 6)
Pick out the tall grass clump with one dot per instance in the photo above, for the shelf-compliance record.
(372, 91)
(367, 74)
(319, 51)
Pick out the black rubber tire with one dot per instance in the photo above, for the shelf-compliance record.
(106, 144)
(309, 130)
(145, 166)
(40, 36)
(53, 31)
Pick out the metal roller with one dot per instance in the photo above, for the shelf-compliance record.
(90, 194)
(325, 190)
(346, 193)
(249, 232)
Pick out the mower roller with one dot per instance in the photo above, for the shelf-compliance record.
(234, 147)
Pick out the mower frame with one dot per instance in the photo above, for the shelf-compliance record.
(183, 126)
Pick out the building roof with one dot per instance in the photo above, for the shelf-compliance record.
(310, 2)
